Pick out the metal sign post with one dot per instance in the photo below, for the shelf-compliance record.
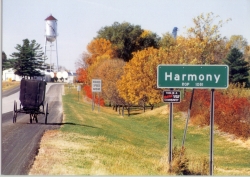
(78, 89)
(170, 150)
(192, 76)
(211, 133)
(188, 117)
(171, 96)
(93, 102)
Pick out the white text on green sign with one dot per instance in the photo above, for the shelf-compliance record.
(192, 76)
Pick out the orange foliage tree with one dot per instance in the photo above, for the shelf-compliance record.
(81, 75)
(110, 71)
(100, 49)
(138, 83)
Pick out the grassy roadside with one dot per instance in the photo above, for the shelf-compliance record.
(8, 84)
(105, 143)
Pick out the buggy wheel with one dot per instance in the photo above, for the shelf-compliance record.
(35, 117)
(14, 112)
(31, 118)
(46, 112)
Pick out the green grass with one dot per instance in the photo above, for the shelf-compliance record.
(138, 144)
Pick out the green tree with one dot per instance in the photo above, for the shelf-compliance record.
(238, 67)
(4, 57)
(128, 38)
(4, 61)
(29, 59)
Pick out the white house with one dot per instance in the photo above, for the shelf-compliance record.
(8, 75)
(71, 77)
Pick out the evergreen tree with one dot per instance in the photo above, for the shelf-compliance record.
(238, 67)
(29, 59)
(4, 61)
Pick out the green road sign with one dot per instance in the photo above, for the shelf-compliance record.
(192, 76)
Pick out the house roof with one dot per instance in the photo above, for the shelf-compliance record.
(71, 74)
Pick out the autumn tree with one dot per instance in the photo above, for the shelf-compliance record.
(99, 49)
(238, 67)
(110, 71)
(138, 83)
(82, 76)
(239, 42)
(82, 61)
(82, 66)
(209, 39)
(128, 38)
(167, 40)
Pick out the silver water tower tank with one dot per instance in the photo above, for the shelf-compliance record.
(51, 36)
(51, 28)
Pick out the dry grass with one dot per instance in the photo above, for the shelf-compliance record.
(234, 172)
(163, 110)
(107, 144)
(75, 154)
(238, 142)
(9, 84)
(59, 155)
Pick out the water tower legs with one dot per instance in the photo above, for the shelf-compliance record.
(57, 56)
(45, 51)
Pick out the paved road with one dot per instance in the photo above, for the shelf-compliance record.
(10, 92)
(20, 141)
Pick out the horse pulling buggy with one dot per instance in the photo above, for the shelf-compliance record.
(32, 94)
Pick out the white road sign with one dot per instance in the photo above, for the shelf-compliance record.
(96, 85)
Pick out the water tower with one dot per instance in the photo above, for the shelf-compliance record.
(51, 36)
(174, 33)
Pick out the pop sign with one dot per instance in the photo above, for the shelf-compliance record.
(192, 76)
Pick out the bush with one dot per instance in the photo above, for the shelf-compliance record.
(88, 92)
(182, 165)
(231, 110)
(180, 162)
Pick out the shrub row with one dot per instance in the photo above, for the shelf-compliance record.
(232, 113)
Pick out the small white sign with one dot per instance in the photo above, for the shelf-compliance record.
(96, 85)
(79, 88)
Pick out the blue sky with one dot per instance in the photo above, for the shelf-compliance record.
(79, 20)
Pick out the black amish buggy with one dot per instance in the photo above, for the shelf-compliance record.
(32, 94)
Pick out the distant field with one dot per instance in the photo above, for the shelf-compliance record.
(105, 143)
(9, 84)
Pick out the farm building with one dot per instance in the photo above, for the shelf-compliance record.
(8, 75)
